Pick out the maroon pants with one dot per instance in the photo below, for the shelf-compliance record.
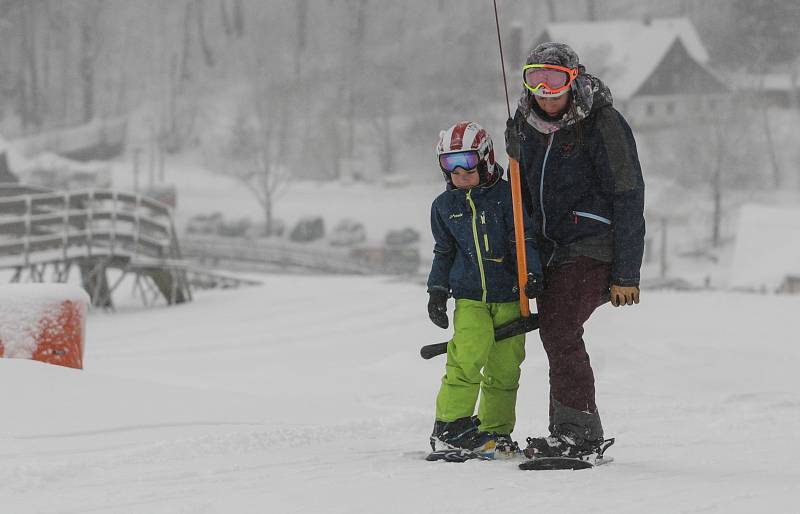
(573, 290)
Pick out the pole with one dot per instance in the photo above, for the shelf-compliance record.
(136, 152)
(502, 60)
(663, 271)
(519, 236)
(516, 195)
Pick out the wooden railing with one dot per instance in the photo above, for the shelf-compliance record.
(95, 230)
(271, 254)
(43, 226)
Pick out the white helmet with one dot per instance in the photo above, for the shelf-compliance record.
(466, 136)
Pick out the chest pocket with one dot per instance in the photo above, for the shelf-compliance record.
(573, 163)
(566, 146)
(460, 225)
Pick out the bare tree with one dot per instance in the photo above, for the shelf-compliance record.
(186, 46)
(256, 151)
(355, 60)
(238, 18)
(717, 154)
(208, 54)
(767, 33)
(254, 154)
(771, 152)
(794, 99)
(384, 134)
(551, 11)
(380, 104)
(90, 46)
(30, 107)
(227, 24)
(301, 31)
(591, 10)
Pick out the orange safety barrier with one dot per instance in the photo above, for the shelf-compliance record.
(58, 334)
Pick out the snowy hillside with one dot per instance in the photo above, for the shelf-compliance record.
(307, 395)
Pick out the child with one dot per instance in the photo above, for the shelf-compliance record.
(475, 261)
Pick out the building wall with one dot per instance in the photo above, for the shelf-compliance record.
(679, 73)
(665, 110)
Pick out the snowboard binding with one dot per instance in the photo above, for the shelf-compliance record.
(585, 461)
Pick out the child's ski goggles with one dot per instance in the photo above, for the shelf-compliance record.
(549, 79)
(465, 159)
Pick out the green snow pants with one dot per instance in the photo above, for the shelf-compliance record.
(476, 363)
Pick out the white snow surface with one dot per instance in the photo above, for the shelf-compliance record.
(307, 395)
(24, 306)
(41, 293)
(767, 247)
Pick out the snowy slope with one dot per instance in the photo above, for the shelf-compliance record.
(767, 247)
(307, 395)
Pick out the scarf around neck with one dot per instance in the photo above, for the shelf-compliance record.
(587, 91)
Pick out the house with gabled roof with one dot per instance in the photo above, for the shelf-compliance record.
(658, 69)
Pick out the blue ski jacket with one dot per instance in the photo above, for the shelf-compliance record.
(583, 188)
(475, 248)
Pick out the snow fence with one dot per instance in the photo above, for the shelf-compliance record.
(43, 322)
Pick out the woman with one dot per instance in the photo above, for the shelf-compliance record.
(582, 185)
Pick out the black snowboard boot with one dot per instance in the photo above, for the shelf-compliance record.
(506, 447)
(561, 443)
(462, 433)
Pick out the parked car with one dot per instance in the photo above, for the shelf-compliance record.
(348, 233)
(402, 237)
(235, 228)
(259, 229)
(206, 224)
(308, 229)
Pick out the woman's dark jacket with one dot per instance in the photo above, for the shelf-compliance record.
(583, 187)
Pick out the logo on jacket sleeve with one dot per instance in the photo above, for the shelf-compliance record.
(453, 216)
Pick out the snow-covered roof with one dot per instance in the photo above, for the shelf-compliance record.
(767, 247)
(624, 53)
(688, 35)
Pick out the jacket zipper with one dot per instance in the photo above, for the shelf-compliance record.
(590, 216)
(477, 243)
(485, 233)
(541, 198)
(541, 187)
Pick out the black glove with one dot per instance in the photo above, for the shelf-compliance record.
(535, 286)
(512, 140)
(437, 308)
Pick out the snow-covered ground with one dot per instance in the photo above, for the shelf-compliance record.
(307, 395)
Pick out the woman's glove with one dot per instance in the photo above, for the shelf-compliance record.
(622, 295)
(512, 140)
(534, 287)
(437, 308)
